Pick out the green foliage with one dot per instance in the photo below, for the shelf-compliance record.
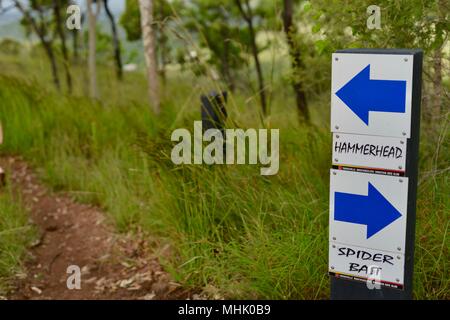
(162, 14)
(131, 20)
(103, 51)
(404, 23)
(41, 11)
(219, 32)
(131, 17)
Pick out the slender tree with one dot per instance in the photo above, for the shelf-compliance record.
(296, 59)
(75, 46)
(40, 26)
(161, 12)
(116, 41)
(92, 22)
(131, 22)
(148, 37)
(247, 14)
(62, 37)
(441, 40)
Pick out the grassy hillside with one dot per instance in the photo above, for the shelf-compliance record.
(229, 230)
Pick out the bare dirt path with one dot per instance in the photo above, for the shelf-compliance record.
(113, 266)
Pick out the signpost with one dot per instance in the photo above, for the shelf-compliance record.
(214, 113)
(213, 110)
(375, 120)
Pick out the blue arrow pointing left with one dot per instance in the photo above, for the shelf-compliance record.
(363, 95)
(373, 210)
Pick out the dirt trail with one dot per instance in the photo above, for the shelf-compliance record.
(112, 266)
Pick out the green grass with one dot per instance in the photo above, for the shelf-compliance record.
(15, 236)
(229, 228)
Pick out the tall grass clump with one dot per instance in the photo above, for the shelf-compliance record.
(231, 230)
(15, 235)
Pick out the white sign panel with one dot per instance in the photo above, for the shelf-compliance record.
(371, 94)
(384, 153)
(364, 264)
(368, 214)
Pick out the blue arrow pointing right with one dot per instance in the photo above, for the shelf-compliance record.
(362, 95)
(373, 210)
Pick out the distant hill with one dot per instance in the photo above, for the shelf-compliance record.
(10, 28)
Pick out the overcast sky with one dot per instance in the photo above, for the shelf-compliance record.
(117, 6)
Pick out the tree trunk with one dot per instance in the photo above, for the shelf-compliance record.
(46, 44)
(437, 101)
(161, 46)
(162, 67)
(75, 45)
(76, 41)
(148, 37)
(262, 90)
(437, 84)
(296, 61)
(62, 37)
(51, 57)
(116, 41)
(161, 54)
(92, 22)
(226, 64)
(248, 17)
